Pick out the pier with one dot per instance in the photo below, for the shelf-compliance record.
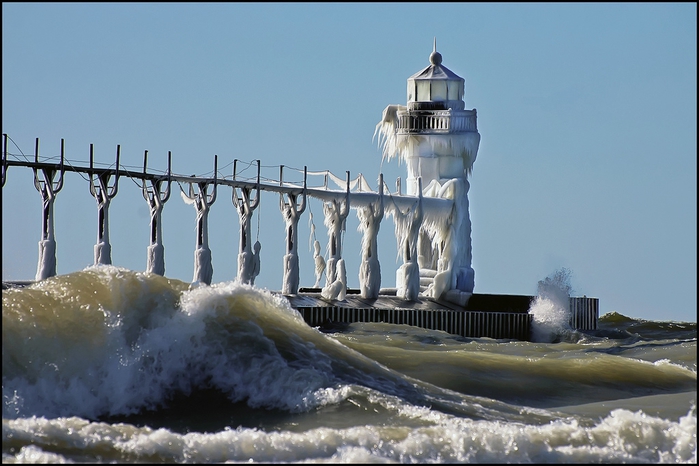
(433, 134)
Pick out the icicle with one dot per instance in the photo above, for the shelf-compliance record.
(312, 226)
(255, 262)
(386, 130)
(319, 263)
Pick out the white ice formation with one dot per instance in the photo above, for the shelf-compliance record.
(370, 217)
(337, 290)
(291, 212)
(246, 205)
(335, 213)
(407, 229)
(47, 245)
(156, 201)
(103, 194)
(319, 263)
(202, 201)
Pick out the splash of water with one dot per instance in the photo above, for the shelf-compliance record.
(550, 310)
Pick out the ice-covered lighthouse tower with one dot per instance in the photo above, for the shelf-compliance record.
(438, 141)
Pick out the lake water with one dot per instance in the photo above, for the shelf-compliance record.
(111, 365)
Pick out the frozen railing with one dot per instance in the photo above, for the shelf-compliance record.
(436, 121)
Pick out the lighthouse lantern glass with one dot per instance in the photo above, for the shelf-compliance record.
(455, 90)
(423, 91)
(439, 91)
(411, 90)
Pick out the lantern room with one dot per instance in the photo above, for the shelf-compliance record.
(435, 87)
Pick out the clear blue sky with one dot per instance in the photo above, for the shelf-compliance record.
(587, 115)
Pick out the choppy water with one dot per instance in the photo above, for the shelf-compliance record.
(109, 365)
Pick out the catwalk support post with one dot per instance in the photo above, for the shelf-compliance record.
(48, 188)
(156, 199)
(291, 212)
(369, 223)
(103, 194)
(408, 275)
(202, 202)
(335, 212)
(245, 204)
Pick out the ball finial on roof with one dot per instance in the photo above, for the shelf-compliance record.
(435, 57)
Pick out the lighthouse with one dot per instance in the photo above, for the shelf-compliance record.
(437, 139)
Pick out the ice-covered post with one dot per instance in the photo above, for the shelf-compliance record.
(48, 190)
(291, 211)
(369, 223)
(202, 202)
(103, 194)
(248, 261)
(335, 212)
(156, 199)
(407, 230)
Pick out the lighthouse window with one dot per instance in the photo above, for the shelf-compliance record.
(439, 91)
(455, 90)
(423, 91)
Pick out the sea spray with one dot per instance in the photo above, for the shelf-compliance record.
(550, 309)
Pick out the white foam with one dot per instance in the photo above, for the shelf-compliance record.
(622, 436)
(32, 454)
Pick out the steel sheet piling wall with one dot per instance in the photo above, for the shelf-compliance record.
(499, 325)
(584, 313)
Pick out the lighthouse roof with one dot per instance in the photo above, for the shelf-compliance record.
(436, 70)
